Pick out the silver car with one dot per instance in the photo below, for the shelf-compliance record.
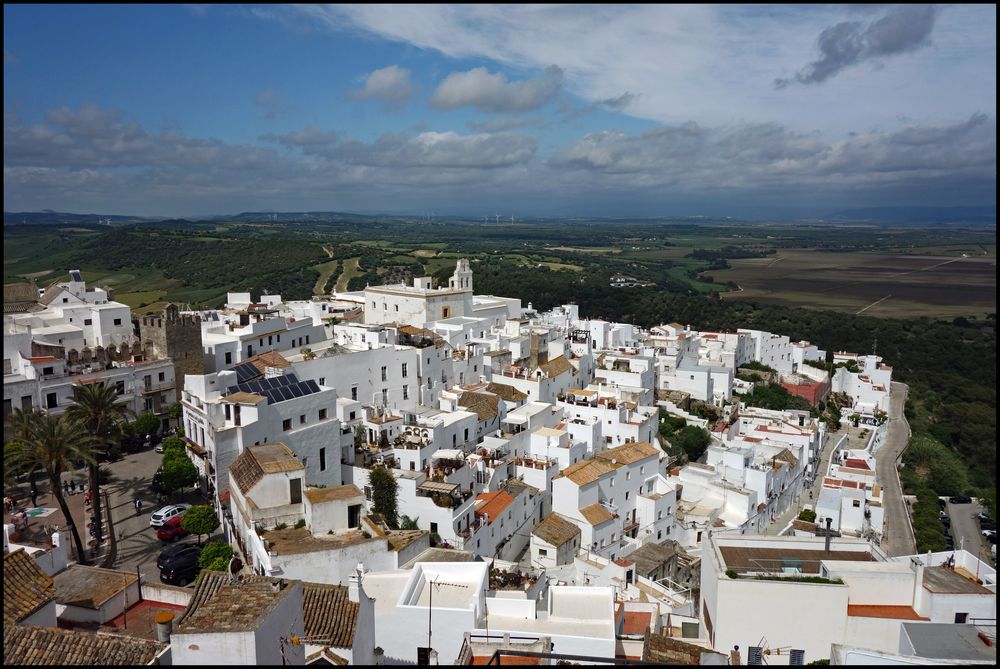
(161, 516)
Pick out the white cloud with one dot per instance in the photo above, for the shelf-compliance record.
(390, 84)
(713, 63)
(493, 93)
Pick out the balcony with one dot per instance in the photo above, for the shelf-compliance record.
(150, 388)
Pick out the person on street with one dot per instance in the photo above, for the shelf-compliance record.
(34, 498)
(65, 487)
(138, 506)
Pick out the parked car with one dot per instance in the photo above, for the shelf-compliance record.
(946, 520)
(171, 530)
(990, 535)
(182, 568)
(987, 525)
(167, 555)
(941, 502)
(960, 499)
(164, 514)
(159, 448)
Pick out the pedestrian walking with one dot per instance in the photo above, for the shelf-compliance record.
(34, 498)
(72, 486)
(138, 506)
(66, 487)
(88, 497)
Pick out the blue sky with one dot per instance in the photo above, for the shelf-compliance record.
(749, 111)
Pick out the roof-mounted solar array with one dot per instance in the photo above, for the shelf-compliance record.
(278, 388)
(75, 276)
(246, 371)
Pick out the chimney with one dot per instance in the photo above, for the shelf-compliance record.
(829, 522)
(164, 626)
(918, 584)
(354, 588)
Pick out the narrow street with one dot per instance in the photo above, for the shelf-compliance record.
(897, 537)
(824, 464)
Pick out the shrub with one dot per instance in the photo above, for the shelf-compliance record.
(807, 515)
(300, 523)
(215, 556)
(732, 574)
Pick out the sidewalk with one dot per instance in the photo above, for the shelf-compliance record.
(41, 526)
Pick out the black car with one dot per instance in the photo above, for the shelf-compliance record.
(960, 499)
(177, 552)
(941, 502)
(987, 525)
(180, 569)
(946, 521)
(991, 537)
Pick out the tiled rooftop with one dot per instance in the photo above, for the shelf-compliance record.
(31, 645)
(556, 530)
(234, 607)
(320, 495)
(90, 587)
(250, 466)
(291, 540)
(596, 514)
(330, 616)
(26, 588)
(626, 454)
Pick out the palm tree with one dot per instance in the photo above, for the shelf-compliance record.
(20, 422)
(96, 407)
(53, 444)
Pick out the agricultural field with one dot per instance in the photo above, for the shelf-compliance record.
(876, 284)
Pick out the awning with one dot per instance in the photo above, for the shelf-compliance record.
(438, 486)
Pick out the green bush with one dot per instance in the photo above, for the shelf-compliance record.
(215, 556)
(300, 523)
(807, 515)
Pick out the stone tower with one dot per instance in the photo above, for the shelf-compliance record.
(177, 337)
(462, 278)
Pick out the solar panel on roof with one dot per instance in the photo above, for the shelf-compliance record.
(312, 385)
(294, 390)
(291, 378)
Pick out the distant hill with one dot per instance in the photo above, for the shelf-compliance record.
(49, 217)
(920, 215)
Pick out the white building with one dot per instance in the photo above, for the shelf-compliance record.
(223, 416)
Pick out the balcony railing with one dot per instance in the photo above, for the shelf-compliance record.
(150, 388)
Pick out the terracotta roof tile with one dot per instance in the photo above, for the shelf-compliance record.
(330, 616)
(626, 454)
(320, 495)
(250, 466)
(596, 514)
(28, 644)
(486, 406)
(587, 471)
(494, 504)
(556, 530)
(556, 366)
(508, 393)
(875, 611)
(26, 588)
(268, 359)
(237, 607)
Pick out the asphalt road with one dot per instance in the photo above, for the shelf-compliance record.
(965, 529)
(897, 536)
(138, 546)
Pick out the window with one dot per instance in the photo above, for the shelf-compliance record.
(249, 349)
(322, 459)
(353, 415)
(368, 493)
(413, 466)
(354, 393)
(397, 307)
(47, 370)
(270, 340)
(628, 476)
(120, 387)
(279, 336)
(626, 495)
(322, 380)
(659, 534)
(149, 404)
(434, 527)
(466, 434)
(454, 440)
(8, 408)
(406, 392)
(88, 321)
(302, 419)
(960, 618)
(404, 370)
(385, 396)
(26, 402)
(642, 469)
(307, 339)
(383, 374)
(857, 503)
(161, 377)
(118, 321)
(65, 300)
(229, 412)
(295, 491)
(286, 424)
(229, 357)
(322, 414)
(612, 481)
(50, 401)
